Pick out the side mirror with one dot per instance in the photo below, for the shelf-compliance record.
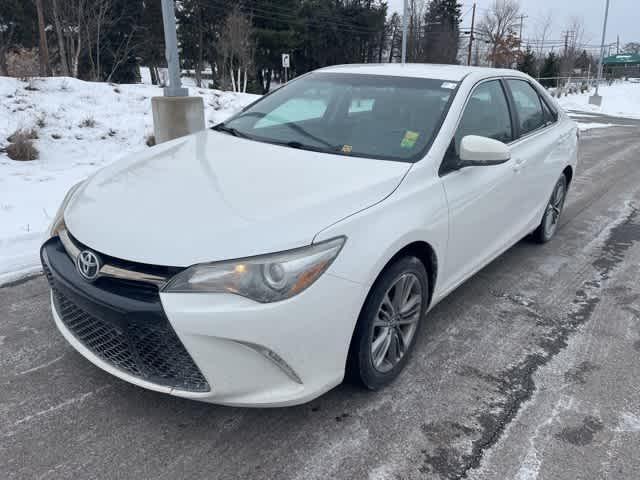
(476, 151)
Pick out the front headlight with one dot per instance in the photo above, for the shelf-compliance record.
(266, 278)
(58, 220)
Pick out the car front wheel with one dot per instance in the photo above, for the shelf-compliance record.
(388, 324)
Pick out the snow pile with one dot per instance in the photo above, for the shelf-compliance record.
(81, 127)
(618, 100)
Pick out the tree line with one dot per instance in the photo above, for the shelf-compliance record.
(226, 43)
(237, 45)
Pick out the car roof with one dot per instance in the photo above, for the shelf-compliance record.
(453, 73)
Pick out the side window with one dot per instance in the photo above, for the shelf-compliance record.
(486, 114)
(528, 106)
(549, 115)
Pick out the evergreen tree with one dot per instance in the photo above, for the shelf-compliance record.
(584, 61)
(200, 23)
(550, 69)
(527, 62)
(273, 37)
(441, 31)
(152, 49)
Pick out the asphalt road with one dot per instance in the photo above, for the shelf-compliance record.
(529, 370)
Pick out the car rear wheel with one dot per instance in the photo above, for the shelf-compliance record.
(388, 324)
(549, 224)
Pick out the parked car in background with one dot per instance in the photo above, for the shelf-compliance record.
(307, 237)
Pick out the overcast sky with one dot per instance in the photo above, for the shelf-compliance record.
(624, 16)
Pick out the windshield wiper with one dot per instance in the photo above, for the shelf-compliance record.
(231, 131)
(303, 146)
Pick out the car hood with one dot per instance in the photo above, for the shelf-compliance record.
(211, 196)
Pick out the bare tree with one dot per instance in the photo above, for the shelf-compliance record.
(7, 31)
(632, 47)
(236, 47)
(499, 25)
(62, 50)
(394, 26)
(544, 25)
(45, 66)
(574, 40)
(69, 17)
(415, 28)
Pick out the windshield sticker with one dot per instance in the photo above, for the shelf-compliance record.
(449, 85)
(410, 139)
(347, 149)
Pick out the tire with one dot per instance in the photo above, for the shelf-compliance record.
(379, 321)
(549, 224)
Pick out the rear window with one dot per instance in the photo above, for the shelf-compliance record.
(394, 118)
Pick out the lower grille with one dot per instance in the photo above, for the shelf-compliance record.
(148, 350)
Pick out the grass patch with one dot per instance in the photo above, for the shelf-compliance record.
(23, 133)
(41, 120)
(88, 122)
(21, 147)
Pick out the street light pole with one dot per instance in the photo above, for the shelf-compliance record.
(405, 19)
(171, 42)
(596, 99)
(176, 113)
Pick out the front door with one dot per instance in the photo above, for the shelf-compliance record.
(480, 199)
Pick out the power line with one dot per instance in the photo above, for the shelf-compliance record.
(292, 19)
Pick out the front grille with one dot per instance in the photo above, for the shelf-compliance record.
(148, 350)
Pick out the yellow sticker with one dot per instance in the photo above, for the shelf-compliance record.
(410, 139)
(347, 148)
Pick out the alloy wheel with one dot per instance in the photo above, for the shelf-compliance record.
(396, 322)
(554, 209)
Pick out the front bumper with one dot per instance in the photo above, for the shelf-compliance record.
(245, 353)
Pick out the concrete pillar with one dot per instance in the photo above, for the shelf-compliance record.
(175, 117)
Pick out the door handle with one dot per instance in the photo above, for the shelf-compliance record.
(517, 164)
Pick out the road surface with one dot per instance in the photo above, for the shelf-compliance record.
(529, 370)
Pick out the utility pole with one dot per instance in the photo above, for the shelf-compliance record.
(405, 19)
(522, 17)
(171, 51)
(596, 99)
(175, 114)
(567, 34)
(618, 46)
(473, 23)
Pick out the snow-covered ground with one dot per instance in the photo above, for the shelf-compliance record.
(618, 100)
(81, 127)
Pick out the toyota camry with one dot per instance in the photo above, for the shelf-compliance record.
(305, 239)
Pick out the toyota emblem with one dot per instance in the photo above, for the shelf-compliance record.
(88, 265)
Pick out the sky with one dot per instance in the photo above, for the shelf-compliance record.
(624, 17)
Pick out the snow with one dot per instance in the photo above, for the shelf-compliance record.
(583, 127)
(30, 192)
(618, 100)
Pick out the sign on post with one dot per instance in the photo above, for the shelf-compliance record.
(286, 63)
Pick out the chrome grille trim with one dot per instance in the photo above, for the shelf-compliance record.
(111, 271)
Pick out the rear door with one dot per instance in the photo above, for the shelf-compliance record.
(481, 199)
(535, 153)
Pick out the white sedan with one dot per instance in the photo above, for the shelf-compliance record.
(260, 262)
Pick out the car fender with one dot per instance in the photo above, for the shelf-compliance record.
(415, 212)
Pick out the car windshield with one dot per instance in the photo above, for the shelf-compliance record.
(386, 117)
